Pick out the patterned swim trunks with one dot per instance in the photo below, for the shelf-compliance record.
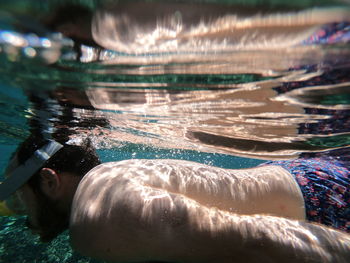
(325, 185)
(330, 34)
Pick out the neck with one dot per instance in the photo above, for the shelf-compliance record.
(70, 183)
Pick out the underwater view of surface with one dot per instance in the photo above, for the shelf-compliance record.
(226, 83)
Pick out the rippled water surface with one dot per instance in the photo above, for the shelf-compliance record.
(209, 82)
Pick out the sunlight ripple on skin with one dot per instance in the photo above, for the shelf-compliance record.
(239, 191)
(158, 204)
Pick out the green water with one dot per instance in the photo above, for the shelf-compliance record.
(232, 109)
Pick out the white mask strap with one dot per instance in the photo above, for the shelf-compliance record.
(23, 172)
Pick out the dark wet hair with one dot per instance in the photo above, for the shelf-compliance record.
(75, 15)
(77, 160)
(67, 13)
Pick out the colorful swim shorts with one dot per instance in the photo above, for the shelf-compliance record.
(325, 185)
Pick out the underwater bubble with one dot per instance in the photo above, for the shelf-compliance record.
(29, 52)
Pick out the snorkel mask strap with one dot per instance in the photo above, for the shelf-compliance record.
(23, 172)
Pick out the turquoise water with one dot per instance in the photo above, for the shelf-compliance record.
(21, 246)
(233, 96)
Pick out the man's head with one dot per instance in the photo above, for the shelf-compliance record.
(48, 194)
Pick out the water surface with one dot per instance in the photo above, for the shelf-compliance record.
(252, 83)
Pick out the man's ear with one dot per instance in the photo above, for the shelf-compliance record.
(50, 182)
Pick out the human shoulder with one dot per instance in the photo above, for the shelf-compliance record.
(140, 164)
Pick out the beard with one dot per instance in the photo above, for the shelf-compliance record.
(51, 221)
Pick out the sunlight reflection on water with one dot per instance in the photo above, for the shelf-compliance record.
(223, 86)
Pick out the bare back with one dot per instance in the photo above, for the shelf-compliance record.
(171, 210)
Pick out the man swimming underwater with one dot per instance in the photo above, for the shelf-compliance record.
(169, 210)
